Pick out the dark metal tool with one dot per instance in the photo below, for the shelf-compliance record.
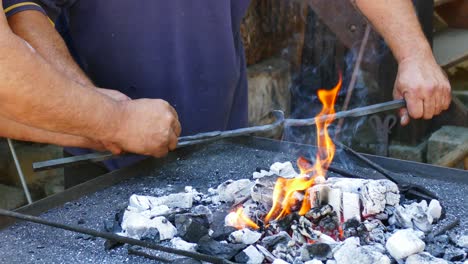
(216, 135)
(114, 237)
(356, 112)
(183, 142)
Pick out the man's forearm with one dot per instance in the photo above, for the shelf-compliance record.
(34, 93)
(397, 22)
(18, 131)
(34, 27)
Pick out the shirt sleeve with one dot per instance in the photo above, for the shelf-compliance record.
(11, 7)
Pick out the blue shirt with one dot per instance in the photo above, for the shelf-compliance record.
(187, 52)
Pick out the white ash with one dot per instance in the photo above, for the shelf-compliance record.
(244, 236)
(181, 244)
(234, 191)
(462, 241)
(268, 255)
(262, 191)
(351, 206)
(434, 211)
(351, 252)
(280, 261)
(314, 261)
(416, 216)
(135, 225)
(424, 258)
(251, 255)
(285, 170)
(404, 243)
(176, 200)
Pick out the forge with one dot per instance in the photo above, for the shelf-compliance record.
(204, 168)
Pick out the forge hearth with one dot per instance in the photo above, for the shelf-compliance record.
(349, 221)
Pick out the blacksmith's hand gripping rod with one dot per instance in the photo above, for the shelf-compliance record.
(279, 122)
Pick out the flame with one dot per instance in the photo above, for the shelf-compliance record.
(283, 194)
(240, 220)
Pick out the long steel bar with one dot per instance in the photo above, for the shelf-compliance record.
(183, 142)
(20, 172)
(216, 135)
(356, 112)
(114, 237)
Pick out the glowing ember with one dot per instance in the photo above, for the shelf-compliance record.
(239, 220)
(283, 194)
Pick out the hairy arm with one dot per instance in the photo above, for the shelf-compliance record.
(420, 80)
(34, 27)
(18, 131)
(34, 93)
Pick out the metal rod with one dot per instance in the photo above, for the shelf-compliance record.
(20, 172)
(357, 112)
(183, 142)
(114, 237)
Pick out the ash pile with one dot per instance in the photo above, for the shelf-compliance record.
(281, 216)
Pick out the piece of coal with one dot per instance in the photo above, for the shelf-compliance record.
(270, 242)
(191, 227)
(209, 246)
(222, 232)
(319, 251)
(151, 235)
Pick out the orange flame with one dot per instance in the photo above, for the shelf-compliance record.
(240, 220)
(283, 194)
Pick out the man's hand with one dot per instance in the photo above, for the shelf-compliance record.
(424, 86)
(148, 127)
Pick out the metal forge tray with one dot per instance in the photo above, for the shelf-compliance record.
(202, 167)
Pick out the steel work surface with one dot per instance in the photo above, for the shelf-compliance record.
(202, 167)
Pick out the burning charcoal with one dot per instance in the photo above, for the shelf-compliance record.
(434, 211)
(270, 257)
(319, 194)
(412, 216)
(181, 244)
(203, 210)
(351, 253)
(207, 245)
(424, 258)
(351, 206)
(177, 200)
(250, 255)
(334, 200)
(271, 241)
(285, 170)
(262, 191)
(331, 262)
(152, 235)
(375, 195)
(234, 191)
(135, 225)
(404, 243)
(192, 227)
(320, 251)
(297, 235)
(244, 236)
